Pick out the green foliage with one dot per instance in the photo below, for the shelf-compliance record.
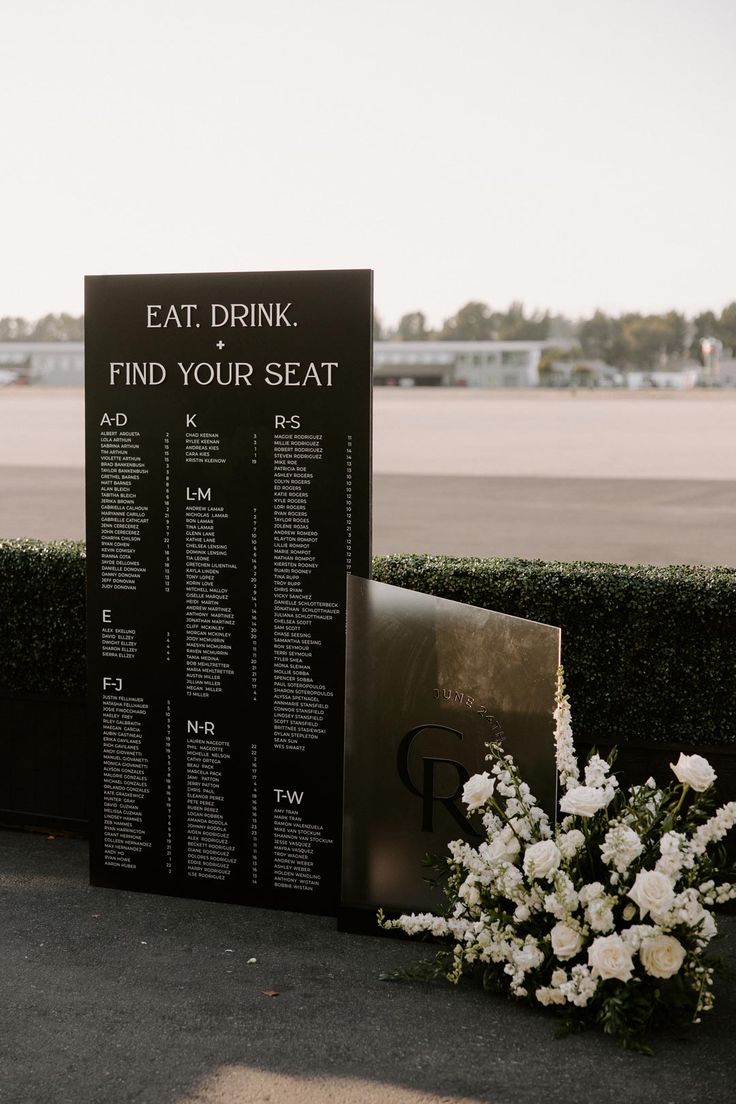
(473, 322)
(635, 340)
(726, 328)
(649, 652)
(42, 613)
(477, 322)
(413, 327)
(52, 327)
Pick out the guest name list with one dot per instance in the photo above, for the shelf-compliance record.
(228, 425)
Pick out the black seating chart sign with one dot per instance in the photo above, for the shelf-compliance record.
(228, 427)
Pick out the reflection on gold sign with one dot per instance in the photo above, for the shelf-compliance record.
(430, 683)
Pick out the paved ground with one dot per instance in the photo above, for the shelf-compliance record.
(619, 520)
(639, 479)
(659, 521)
(114, 998)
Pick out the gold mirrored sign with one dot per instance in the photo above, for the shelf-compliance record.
(429, 683)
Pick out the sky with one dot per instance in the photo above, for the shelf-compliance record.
(571, 154)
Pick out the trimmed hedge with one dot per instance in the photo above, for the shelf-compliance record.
(649, 652)
(42, 618)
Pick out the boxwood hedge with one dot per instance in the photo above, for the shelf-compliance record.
(42, 618)
(649, 652)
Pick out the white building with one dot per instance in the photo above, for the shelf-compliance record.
(49, 363)
(459, 363)
(424, 363)
(682, 380)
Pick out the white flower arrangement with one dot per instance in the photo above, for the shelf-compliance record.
(605, 915)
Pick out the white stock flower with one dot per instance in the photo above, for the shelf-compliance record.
(674, 854)
(597, 771)
(541, 859)
(566, 941)
(609, 957)
(413, 923)
(620, 847)
(708, 927)
(634, 935)
(694, 771)
(477, 790)
(570, 843)
(522, 827)
(547, 995)
(686, 908)
(661, 955)
(585, 800)
(581, 986)
(714, 829)
(508, 881)
(528, 957)
(600, 915)
(653, 892)
(567, 764)
(468, 892)
(564, 900)
(492, 822)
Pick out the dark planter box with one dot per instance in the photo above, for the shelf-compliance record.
(42, 763)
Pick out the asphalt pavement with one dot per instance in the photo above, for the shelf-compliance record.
(615, 520)
(110, 997)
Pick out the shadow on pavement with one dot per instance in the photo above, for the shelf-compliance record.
(115, 996)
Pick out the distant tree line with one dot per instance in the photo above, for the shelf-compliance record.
(625, 341)
(644, 341)
(52, 327)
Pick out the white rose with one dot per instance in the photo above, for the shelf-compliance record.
(694, 771)
(504, 847)
(609, 957)
(541, 859)
(585, 800)
(566, 941)
(652, 892)
(661, 955)
(477, 790)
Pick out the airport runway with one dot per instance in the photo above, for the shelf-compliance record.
(619, 478)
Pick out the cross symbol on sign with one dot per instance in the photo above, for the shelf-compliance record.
(220, 344)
